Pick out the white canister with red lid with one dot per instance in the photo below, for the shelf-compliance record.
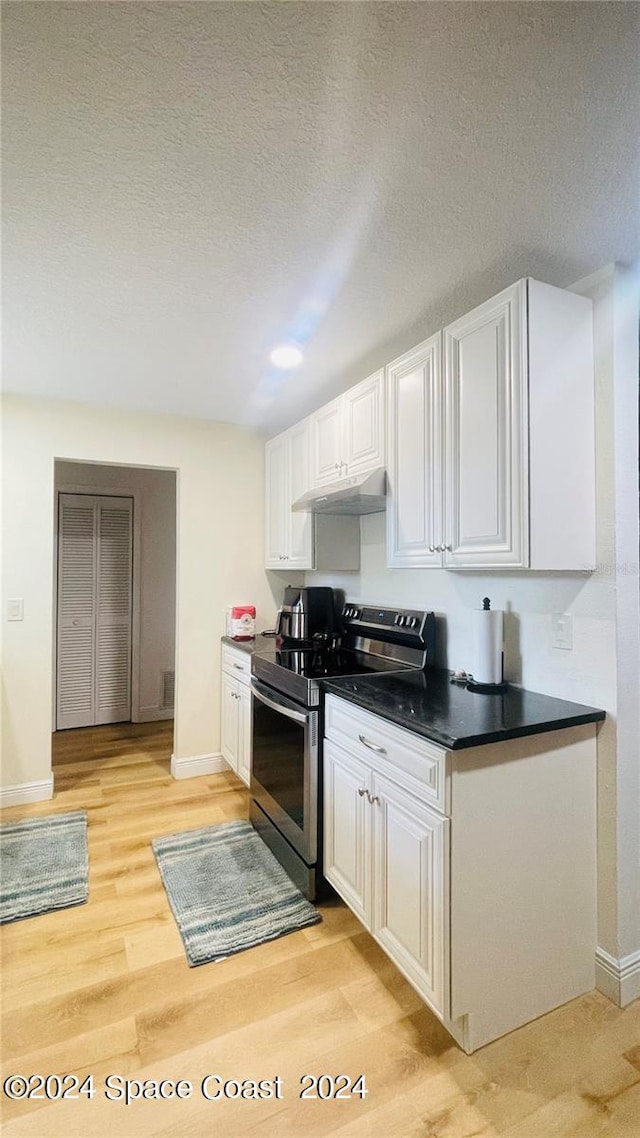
(241, 622)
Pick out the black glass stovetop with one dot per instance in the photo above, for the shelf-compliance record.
(297, 671)
(319, 665)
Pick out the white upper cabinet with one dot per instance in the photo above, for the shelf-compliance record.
(348, 434)
(363, 424)
(491, 438)
(288, 536)
(486, 436)
(326, 427)
(276, 495)
(414, 504)
(300, 545)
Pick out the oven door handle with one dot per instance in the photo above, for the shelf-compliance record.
(276, 705)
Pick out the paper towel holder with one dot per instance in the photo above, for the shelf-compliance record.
(487, 689)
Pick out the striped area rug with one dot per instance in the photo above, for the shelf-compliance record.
(43, 865)
(227, 891)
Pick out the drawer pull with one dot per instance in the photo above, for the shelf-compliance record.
(373, 798)
(240, 667)
(362, 790)
(372, 746)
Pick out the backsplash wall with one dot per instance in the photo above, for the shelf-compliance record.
(528, 599)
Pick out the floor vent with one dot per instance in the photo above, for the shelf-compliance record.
(167, 689)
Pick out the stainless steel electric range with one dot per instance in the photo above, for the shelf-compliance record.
(287, 704)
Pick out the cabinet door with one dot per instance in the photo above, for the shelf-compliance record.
(486, 434)
(300, 545)
(363, 421)
(414, 503)
(230, 722)
(277, 502)
(347, 829)
(327, 446)
(244, 732)
(410, 875)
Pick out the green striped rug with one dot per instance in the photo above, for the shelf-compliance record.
(227, 891)
(43, 865)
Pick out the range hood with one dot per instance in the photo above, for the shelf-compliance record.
(361, 494)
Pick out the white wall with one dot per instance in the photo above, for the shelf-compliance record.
(220, 556)
(155, 555)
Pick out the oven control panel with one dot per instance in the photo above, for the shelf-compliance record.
(385, 622)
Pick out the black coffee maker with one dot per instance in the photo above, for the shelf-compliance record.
(307, 616)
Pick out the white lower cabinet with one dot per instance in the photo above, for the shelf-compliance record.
(347, 839)
(236, 711)
(386, 855)
(410, 850)
(473, 869)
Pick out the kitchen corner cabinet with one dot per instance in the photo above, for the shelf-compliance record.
(491, 438)
(348, 435)
(473, 869)
(288, 535)
(236, 711)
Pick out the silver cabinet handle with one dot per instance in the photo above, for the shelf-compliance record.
(373, 798)
(240, 667)
(432, 549)
(362, 790)
(372, 746)
(449, 548)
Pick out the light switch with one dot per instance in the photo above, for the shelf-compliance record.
(15, 608)
(562, 630)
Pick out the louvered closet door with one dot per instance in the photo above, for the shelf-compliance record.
(94, 610)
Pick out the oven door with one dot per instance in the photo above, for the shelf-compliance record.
(284, 774)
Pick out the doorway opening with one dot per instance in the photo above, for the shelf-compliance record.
(115, 602)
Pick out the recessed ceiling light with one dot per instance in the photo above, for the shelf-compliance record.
(287, 355)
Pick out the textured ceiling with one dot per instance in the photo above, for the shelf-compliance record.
(187, 184)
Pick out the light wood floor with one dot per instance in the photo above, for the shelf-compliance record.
(105, 989)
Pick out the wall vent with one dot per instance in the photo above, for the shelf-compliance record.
(167, 689)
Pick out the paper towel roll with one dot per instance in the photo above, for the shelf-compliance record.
(487, 646)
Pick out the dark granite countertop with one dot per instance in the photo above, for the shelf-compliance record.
(428, 704)
(243, 645)
(254, 645)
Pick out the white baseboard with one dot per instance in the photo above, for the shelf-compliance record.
(619, 980)
(25, 792)
(198, 765)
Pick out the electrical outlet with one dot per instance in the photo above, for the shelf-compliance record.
(562, 630)
(15, 608)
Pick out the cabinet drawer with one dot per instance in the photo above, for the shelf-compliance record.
(388, 748)
(236, 663)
